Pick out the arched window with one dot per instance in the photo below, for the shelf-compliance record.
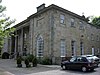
(40, 46)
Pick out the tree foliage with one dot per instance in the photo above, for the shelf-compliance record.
(96, 21)
(5, 26)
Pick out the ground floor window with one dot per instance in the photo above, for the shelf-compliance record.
(98, 50)
(92, 50)
(73, 48)
(62, 48)
(40, 46)
(81, 48)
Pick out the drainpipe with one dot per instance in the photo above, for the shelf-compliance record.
(52, 37)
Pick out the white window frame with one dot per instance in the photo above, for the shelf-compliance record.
(73, 46)
(25, 35)
(62, 48)
(93, 50)
(40, 46)
(98, 50)
(81, 25)
(92, 37)
(72, 22)
(98, 39)
(62, 19)
(82, 48)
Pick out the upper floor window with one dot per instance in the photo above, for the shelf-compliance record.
(62, 19)
(62, 48)
(72, 22)
(73, 48)
(81, 25)
(92, 37)
(98, 38)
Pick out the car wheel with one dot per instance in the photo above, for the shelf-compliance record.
(84, 69)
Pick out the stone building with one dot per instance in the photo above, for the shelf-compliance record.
(56, 33)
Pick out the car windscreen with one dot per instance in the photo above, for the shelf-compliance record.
(73, 59)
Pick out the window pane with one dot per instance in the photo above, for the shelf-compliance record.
(72, 22)
(40, 46)
(73, 47)
(62, 18)
(62, 47)
(97, 38)
(81, 25)
(92, 37)
(81, 48)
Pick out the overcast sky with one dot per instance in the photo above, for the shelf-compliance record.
(21, 9)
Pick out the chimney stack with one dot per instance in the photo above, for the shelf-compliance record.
(39, 8)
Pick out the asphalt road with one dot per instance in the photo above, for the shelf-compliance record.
(8, 67)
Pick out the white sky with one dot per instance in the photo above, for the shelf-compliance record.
(21, 9)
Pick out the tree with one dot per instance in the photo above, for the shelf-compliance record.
(96, 21)
(5, 25)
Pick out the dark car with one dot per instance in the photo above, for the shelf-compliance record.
(79, 62)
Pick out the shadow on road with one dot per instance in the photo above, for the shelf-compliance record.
(79, 71)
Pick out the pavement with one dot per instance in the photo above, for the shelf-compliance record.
(50, 66)
(8, 67)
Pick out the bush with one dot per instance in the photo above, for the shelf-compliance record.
(46, 61)
(34, 62)
(23, 58)
(39, 60)
(19, 62)
(27, 62)
(30, 57)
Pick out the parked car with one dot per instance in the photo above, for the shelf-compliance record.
(79, 62)
(94, 58)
